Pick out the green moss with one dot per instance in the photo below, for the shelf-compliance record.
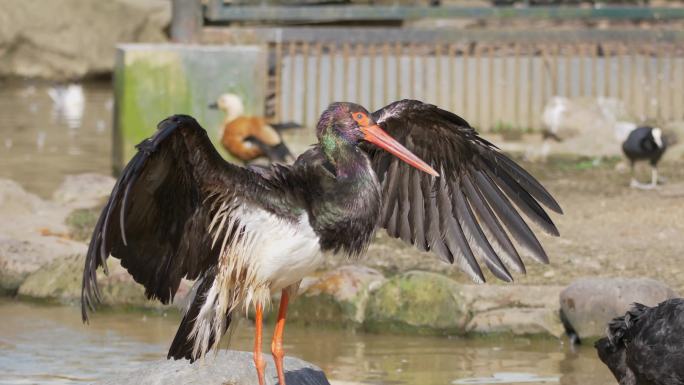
(81, 223)
(417, 302)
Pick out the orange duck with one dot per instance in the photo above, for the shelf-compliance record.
(250, 137)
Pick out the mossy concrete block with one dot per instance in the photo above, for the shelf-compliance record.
(417, 302)
(153, 81)
(337, 298)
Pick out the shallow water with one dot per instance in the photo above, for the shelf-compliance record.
(48, 344)
(44, 137)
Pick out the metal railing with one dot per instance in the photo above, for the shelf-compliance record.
(492, 79)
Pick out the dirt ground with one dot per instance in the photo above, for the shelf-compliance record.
(608, 229)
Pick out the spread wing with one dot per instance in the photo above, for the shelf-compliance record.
(470, 210)
(158, 218)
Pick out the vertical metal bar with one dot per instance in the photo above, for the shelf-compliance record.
(530, 86)
(332, 53)
(632, 78)
(439, 84)
(466, 82)
(478, 85)
(278, 82)
(412, 70)
(371, 77)
(317, 86)
(399, 51)
(359, 70)
(671, 83)
(385, 73)
(620, 55)
(555, 70)
(659, 74)
(345, 71)
(543, 73)
(516, 82)
(305, 82)
(293, 64)
(451, 78)
(424, 53)
(491, 101)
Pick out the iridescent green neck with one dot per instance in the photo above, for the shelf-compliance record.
(341, 153)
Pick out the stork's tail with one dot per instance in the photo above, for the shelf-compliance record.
(201, 328)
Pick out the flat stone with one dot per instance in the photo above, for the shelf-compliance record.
(589, 304)
(337, 297)
(60, 281)
(417, 302)
(228, 367)
(517, 321)
(513, 309)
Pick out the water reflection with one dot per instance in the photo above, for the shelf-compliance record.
(49, 131)
(48, 344)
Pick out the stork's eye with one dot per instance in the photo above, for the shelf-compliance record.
(359, 116)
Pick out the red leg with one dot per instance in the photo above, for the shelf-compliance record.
(258, 359)
(277, 343)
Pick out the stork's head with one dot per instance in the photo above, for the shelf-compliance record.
(353, 124)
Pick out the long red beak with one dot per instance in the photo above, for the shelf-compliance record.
(380, 138)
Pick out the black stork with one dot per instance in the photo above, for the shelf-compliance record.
(250, 137)
(646, 345)
(645, 143)
(179, 210)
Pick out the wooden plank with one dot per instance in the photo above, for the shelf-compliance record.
(217, 11)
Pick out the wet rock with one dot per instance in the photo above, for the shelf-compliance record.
(418, 302)
(21, 257)
(513, 309)
(60, 281)
(227, 367)
(33, 231)
(15, 201)
(63, 39)
(589, 304)
(338, 297)
(84, 190)
(81, 223)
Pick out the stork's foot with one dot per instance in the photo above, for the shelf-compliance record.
(642, 186)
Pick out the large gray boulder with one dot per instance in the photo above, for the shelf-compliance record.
(588, 304)
(34, 232)
(513, 309)
(227, 367)
(62, 39)
(417, 302)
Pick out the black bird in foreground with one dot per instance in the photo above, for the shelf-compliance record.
(645, 143)
(179, 210)
(646, 345)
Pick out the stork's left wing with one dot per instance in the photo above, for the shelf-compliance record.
(468, 211)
